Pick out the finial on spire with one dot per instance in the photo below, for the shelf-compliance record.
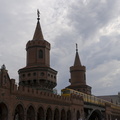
(77, 59)
(38, 14)
(76, 47)
(38, 31)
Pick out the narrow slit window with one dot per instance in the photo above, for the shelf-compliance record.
(84, 77)
(40, 54)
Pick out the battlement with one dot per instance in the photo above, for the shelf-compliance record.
(40, 43)
(80, 68)
(28, 91)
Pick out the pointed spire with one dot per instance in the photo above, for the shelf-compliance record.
(77, 59)
(38, 31)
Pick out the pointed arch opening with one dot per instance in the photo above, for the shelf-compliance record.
(68, 115)
(96, 115)
(78, 115)
(30, 113)
(19, 113)
(56, 114)
(3, 112)
(49, 114)
(63, 116)
(40, 114)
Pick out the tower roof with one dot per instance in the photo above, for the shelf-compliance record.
(77, 59)
(38, 31)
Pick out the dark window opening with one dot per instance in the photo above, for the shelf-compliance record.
(23, 75)
(84, 77)
(34, 74)
(29, 74)
(40, 54)
(51, 76)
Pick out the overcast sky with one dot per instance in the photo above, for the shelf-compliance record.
(93, 24)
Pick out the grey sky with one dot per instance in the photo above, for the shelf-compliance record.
(93, 24)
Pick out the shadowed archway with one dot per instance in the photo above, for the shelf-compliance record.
(3, 112)
(49, 114)
(95, 115)
(63, 116)
(30, 113)
(19, 113)
(78, 115)
(68, 115)
(40, 114)
(56, 114)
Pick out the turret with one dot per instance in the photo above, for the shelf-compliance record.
(78, 76)
(4, 77)
(37, 73)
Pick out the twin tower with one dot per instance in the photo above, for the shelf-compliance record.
(39, 75)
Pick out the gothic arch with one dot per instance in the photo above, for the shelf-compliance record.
(78, 115)
(30, 113)
(63, 114)
(19, 112)
(56, 114)
(30, 104)
(68, 115)
(49, 114)
(40, 114)
(95, 115)
(18, 103)
(3, 111)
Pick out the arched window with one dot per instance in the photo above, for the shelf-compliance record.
(49, 114)
(63, 115)
(19, 113)
(3, 112)
(30, 113)
(40, 114)
(56, 114)
(40, 54)
(68, 115)
(78, 115)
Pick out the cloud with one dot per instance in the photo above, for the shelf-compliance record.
(95, 27)
(105, 82)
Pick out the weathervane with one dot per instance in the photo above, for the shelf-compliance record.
(38, 14)
(76, 47)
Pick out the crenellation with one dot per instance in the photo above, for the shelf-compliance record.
(13, 85)
(80, 68)
(37, 93)
(37, 43)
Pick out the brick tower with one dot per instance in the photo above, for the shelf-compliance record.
(4, 77)
(78, 76)
(37, 73)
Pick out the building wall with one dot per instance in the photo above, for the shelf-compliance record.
(27, 97)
